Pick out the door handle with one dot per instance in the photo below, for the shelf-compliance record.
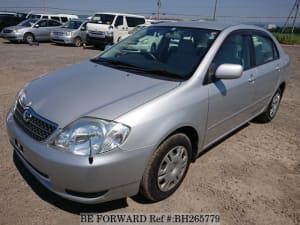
(251, 79)
(277, 68)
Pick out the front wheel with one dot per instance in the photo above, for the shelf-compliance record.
(28, 38)
(77, 42)
(167, 168)
(272, 108)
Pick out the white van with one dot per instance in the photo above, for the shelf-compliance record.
(63, 18)
(109, 28)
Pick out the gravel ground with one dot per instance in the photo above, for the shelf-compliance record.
(252, 177)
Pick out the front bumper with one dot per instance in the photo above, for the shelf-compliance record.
(13, 36)
(62, 39)
(112, 175)
(94, 40)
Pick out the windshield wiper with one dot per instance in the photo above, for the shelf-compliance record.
(117, 63)
(133, 68)
(165, 73)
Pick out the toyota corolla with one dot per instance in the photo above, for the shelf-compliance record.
(132, 119)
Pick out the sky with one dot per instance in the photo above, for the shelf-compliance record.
(258, 10)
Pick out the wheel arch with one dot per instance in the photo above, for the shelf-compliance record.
(282, 87)
(193, 136)
(30, 34)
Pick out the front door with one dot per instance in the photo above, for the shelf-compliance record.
(121, 29)
(230, 101)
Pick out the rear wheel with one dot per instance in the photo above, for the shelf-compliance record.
(78, 42)
(272, 108)
(29, 38)
(167, 168)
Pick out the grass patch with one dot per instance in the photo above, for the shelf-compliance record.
(291, 39)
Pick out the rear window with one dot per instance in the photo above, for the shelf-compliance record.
(134, 21)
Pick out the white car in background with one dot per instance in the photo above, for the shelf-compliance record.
(109, 28)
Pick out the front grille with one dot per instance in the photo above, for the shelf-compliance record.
(97, 32)
(58, 33)
(7, 31)
(35, 125)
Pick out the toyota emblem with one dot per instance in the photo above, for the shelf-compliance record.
(27, 115)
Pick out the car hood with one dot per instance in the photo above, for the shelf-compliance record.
(90, 89)
(17, 27)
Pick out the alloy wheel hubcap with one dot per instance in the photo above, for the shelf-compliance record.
(274, 105)
(172, 168)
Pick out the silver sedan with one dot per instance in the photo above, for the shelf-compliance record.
(131, 120)
(31, 30)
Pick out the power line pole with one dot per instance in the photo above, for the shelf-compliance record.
(158, 8)
(294, 11)
(215, 10)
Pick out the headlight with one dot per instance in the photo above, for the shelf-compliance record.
(109, 33)
(17, 31)
(89, 136)
(68, 34)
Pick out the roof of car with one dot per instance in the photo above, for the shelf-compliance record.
(120, 14)
(213, 25)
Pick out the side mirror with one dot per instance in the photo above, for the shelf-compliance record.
(36, 26)
(82, 28)
(229, 71)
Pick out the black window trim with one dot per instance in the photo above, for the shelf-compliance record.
(246, 32)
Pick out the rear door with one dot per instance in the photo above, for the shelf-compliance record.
(52, 24)
(230, 101)
(268, 68)
(41, 31)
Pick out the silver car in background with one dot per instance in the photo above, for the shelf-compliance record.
(133, 118)
(31, 30)
(73, 32)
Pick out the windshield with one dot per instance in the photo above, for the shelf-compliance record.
(73, 24)
(34, 16)
(27, 23)
(103, 19)
(164, 51)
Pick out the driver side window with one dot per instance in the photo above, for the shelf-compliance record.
(235, 50)
(119, 21)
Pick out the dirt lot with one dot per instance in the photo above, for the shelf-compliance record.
(253, 177)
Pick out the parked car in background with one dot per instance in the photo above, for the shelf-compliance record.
(109, 28)
(131, 120)
(31, 30)
(8, 19)
(136, 29)
(73, 32)
(63, 18)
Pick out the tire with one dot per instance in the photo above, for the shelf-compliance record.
(270, 113)
(77, 42)
(29, 38)
(166, 168)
